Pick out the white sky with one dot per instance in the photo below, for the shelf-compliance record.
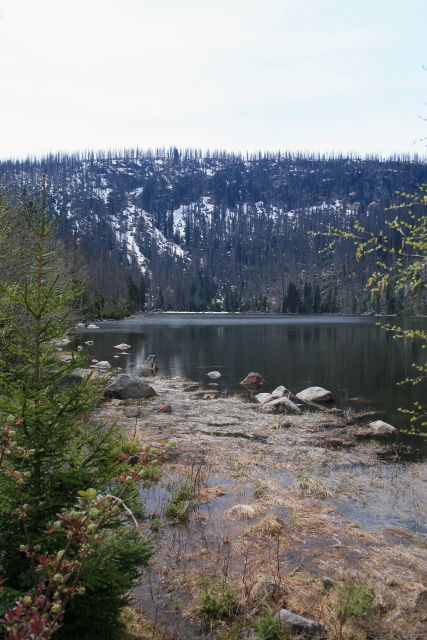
(241, 75)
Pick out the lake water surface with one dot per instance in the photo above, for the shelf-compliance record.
(351, 356)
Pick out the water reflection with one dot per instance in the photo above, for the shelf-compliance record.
(351, 356)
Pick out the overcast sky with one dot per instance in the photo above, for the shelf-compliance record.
(240, 75)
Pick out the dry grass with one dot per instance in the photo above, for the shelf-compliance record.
(137, 627)
(215, 545)
(244, 511)
(267, 527)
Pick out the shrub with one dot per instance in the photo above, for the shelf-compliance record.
(178, 506)
(218, 602)
(269, 627)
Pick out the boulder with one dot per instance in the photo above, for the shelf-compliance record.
(280, 405)
(380, 428)
(74, 378)
(283, 392)
(298, 624)
(125, 387)
(315, 394)
(104, 364)
(214, 374)
(80, 325)
(253, 381)
(92, 326)
(63, 342)
(122, 346)
(263, 398)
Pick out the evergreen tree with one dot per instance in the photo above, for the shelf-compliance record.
(49, 454)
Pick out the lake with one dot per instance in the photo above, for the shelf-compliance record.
(358, 361)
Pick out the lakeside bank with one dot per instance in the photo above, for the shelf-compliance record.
(279, 505)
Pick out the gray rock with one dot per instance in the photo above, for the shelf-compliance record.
(150, 360)
(104, 364)
(380, 428)
(125, 387)
(122, 346)
(283, 392)
(315, 394)
(281, 405)
(92, 326)
(214, 374)
(63, 342)
(328, 583)
(299, 624)
(89, 342)
(74, 378)
(263, 398)
(80, 325)
(266, 587)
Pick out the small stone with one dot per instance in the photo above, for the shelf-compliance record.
(104, 364)
(122, 346)
(89, 342)
(166, 408)
(92, 326)
(214, 374)
(263, 398)
(281, 405)
(298, 624)
(63, 342)
(253, 381)
(315, 394)
(381, 428)
(328, 583)
(283, 392)
(80, 325)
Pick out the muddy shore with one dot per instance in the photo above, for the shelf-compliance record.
(287, 510)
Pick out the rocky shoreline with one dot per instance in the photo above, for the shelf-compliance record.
(289, 500)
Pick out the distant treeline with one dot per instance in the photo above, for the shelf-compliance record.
(183, 229)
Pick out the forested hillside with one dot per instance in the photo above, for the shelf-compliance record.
(186, 231)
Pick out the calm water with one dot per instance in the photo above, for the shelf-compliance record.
(351, 356)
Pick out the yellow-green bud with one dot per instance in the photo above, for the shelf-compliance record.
(58, 577)
(57, 525)
(27, 600)
(92, 528)
(56, 608)
(60, 554)
(81, 591)
(128, 480)
(94, 513)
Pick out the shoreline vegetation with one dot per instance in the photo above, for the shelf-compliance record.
(253, 513)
